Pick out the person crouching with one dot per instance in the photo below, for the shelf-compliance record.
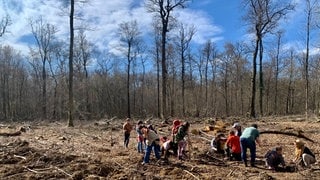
(274, 158)
(152, 142)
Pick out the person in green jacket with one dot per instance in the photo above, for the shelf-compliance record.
(180, 139)
(248, 139)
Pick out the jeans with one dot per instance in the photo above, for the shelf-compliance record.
(126, 139)
(140, 147)
(247, 143)
(156, 149)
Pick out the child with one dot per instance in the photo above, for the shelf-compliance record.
(218, 144)
(175, 126)
(174, 130)
(303, 154)
(237, 127)
(274, 158)
(127, 128)
(167, 145)
(233, 147)
(140, 137)
(180, 139)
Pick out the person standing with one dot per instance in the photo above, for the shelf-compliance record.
(127, 128)
(249, 139)
(180, 139)
(140, 138)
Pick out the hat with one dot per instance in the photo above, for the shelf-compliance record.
(176, 122)
(299, 143)
(221, 136)
(236, 125)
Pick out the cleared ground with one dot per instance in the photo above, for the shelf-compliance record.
(94, 150)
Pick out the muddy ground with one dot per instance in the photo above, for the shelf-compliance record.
(94, 150)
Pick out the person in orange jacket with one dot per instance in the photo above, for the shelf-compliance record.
(127, 128)
(233, 146)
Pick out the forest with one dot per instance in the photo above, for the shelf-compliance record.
(157, 78)
(163, 75)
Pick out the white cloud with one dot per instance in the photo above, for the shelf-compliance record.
(102, 17)
(205, 28)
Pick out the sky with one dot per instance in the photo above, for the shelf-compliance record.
(215, 20)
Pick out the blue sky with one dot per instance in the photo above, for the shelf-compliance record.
(215, 20)
(226, 16)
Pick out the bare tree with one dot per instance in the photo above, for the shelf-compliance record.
(57, 63)
(311, 7)
(129, 36)
(70, 85)
(157, 41)
(263, 17)
(164, 9)
(290, 91)
(44, 35)
(184, 38)
(4, 23)
(82, 57)
(277, 71)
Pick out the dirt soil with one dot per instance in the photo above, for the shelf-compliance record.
(94, 150)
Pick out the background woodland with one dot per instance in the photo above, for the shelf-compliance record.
(164, 74)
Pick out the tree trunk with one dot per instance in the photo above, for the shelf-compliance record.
(128, 81)
(261, 86)
(70, 85)
(253, 80)
(44, 88)
(164, 71)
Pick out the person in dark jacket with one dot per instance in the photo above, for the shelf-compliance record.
(274, 158)
(180, 139)
(303, 154)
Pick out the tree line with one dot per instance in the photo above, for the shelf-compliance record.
(163, 77)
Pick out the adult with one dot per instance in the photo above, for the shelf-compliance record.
(303, 154)
(249, 139)
(152, 142)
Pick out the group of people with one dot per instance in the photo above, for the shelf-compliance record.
(236, 144)
(148, 140)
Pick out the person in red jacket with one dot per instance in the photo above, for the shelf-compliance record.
(233, 147)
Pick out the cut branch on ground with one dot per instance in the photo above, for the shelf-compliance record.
(297, 134)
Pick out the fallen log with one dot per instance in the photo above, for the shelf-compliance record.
(206, 134)
(298, 134)
(17, 133)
